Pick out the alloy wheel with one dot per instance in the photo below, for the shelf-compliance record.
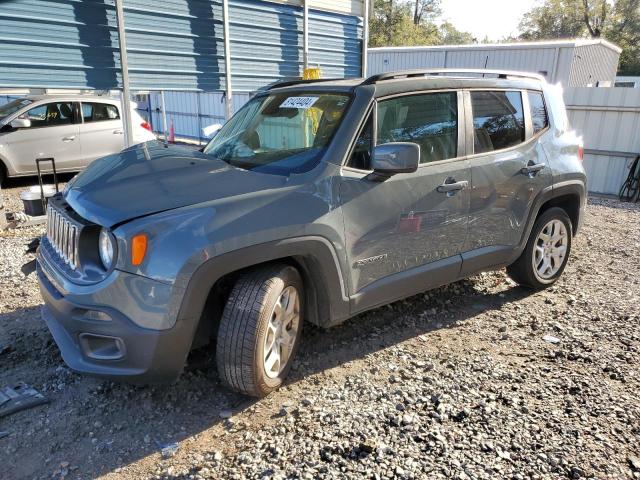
(550, 249)
(281, 332)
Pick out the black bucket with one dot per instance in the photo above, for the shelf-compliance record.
(32, 201)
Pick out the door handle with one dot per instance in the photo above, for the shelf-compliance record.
(450, 186)
(118, 132)
(69, 139)
(532, 169)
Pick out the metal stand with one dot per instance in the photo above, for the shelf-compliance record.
(40, 182)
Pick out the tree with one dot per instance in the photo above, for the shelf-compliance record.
(450, 35)
(553, 19)
(624, 31)
(391, 25)
(397, 23)
(425, 10)
(594, 15)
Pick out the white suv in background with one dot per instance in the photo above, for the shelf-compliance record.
(74, 130)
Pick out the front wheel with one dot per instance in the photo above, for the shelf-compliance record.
(546, 253)
(260, 330)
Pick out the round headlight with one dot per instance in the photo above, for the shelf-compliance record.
(106, 247)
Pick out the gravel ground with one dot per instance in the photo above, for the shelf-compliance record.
(456, 383)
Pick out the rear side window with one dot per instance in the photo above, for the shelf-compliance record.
(99, 112)
(430, 120)
(539, 116)
(498, 120)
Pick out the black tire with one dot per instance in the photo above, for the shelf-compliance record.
(522, 270)
(244, 325)
(3, 173)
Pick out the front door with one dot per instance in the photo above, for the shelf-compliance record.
(398, 230)
(53, 133)
(508, 170)
(101, 131)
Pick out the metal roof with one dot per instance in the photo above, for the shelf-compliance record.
(574, 42)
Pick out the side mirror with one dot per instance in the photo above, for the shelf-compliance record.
(21, 123)
(397, 157)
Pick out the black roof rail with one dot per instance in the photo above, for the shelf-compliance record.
(288, 83)
(444, 71)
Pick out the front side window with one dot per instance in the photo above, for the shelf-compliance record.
(539, 115)
(99, 112)
(50, 115)
(280, 133)
(430, 120)
(361, 155)
(498, 120)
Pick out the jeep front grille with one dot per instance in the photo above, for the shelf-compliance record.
(63, 236)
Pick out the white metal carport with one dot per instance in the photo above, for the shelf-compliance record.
(574, 63)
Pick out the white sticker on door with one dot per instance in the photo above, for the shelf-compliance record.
(299, 102)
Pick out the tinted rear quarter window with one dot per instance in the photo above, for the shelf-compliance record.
(99, 112)
(539, 116)
(498, 120)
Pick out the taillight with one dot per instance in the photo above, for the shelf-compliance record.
(146, 126)
(581, 153)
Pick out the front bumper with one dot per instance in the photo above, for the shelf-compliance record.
(97, 338)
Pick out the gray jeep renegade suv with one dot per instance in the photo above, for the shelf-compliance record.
(315, 202)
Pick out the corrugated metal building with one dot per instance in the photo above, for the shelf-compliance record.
(574, 63)
(175, 44)
(608, 119)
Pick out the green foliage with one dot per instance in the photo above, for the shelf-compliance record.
(615, 20)
(553, 19)
(450, 35)
(410, 23)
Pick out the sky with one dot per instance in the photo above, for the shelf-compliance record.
(495, 19)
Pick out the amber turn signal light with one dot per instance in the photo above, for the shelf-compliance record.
(138, 248)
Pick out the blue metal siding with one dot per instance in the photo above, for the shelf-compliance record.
(57, 44)
(174, 44)
(74, 44)
(266, 43)
(335, 43)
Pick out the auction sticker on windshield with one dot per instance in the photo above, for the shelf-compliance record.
(299, 102)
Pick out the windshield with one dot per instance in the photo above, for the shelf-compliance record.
(12, 107)
(280, 133)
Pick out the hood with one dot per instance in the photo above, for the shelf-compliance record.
(150, 178)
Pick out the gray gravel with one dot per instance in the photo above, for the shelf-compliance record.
(480, 379)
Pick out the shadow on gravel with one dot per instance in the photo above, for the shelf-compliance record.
(93, 427)
(442, 308)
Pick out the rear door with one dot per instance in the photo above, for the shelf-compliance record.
(101, 132)
(54, 133)
(508, 170)
(399, 230)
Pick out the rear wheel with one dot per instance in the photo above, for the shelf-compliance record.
(260, 330)
(546, 253)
